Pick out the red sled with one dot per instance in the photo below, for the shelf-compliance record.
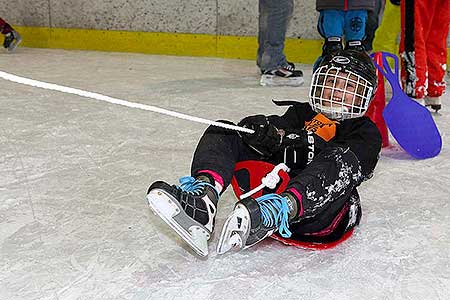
(248, 175)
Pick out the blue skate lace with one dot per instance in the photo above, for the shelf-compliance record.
(275, 212)
(196, 187)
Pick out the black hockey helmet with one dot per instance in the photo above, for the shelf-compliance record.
(343, 84)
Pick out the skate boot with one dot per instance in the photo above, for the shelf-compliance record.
(433, 103)
(355, 45)
(189, 209)
(292, 65)
(331, 45)
(12, 40)
(255, 219)
(284, 76)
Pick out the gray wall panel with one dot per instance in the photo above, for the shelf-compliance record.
(304, 21)
(195, 16)
(224, 17)
(26, 12)
(238, 18)
(241, 18)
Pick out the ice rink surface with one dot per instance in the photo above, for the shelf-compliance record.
(74, 222)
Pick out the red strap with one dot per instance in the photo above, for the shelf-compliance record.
(257, 170)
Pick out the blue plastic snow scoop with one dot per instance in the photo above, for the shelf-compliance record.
(410, 123)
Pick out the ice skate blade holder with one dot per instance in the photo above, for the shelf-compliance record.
(169, 210)
(235, 230)
(274, 80)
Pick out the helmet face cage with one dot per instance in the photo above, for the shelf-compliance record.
(339, 93)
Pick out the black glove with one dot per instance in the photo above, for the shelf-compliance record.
(266, 139)
(301, 146)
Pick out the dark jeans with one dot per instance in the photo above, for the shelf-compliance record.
(274, 17)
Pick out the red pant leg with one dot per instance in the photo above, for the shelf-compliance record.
(5, 27)
(436, 42)
(2, 24)
(416, 16)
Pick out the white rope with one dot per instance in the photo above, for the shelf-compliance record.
(270, 180)
(69, 90)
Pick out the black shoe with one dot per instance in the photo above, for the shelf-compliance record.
(12, 40)
(331, 45)
(284, 76)
(355, 45)
(292, 66)
(433, 103)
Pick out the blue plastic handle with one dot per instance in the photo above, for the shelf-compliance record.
(391, 75)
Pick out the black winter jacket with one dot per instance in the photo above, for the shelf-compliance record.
(337, 167)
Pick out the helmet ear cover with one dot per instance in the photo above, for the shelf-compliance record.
(343, 85)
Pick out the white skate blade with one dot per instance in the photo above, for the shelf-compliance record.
(235, 231)
(273, 80)
(170, 211)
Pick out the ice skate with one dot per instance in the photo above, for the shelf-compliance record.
(355, 45)
(283, 76)
(433, 103)
(235, 230)
(331, 45)
(254, 220)
(189, 209)
(12, 40)
(291, 64)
